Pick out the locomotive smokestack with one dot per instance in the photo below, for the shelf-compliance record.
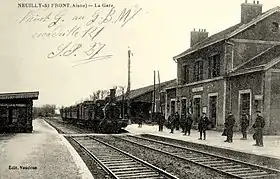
(113, 94)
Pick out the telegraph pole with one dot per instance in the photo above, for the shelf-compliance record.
(128, 85)
(159, 89)
(154, 96)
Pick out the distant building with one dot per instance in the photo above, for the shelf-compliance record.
(141, 99)
(16, 111)
(237, 69)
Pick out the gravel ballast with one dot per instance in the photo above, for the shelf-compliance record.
(175, 166)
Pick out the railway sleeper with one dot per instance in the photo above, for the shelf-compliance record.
(202, 159)
(128, 163)
(192, 157)
(244, 172)
(141, 176)
(268, 176)
(118, 162)
(212, 162)
(128, 169)
(236, 170)
(107, 156)
(134, 171)
(138, 174)
(225, 165)
(123, 166)
(253, 174)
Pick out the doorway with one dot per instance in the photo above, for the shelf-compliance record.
(172, 107)
(213, 110)
(245, 104)
(196, 107)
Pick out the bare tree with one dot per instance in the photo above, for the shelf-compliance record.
(45, 110)
(120, 90)
(103, 94)
(98, 94)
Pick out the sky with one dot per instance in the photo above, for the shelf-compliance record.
(30, 60)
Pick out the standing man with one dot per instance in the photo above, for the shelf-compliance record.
(177, 121)
(229, 127)
(171, 121)
(188, 122)
(183, 122)
(140, 119)
(202, 126)
(259, 125)
(244, 125)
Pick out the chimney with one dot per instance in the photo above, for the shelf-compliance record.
(198, 36)
(250, 11)
(112, 94)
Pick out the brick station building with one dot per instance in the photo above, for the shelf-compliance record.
(16, 111)
(237, 69)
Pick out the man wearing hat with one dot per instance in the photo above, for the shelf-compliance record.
(244, 123)
(202, 126)
(258, 126)
(229, 124)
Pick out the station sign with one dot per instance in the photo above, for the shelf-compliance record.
(197, 89)
(258, 97)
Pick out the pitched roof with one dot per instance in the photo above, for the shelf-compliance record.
(140, 91)
(19, 95)
(227, 33)
(260, 61)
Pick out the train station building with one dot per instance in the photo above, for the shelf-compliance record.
(237, 70)
(16, 111)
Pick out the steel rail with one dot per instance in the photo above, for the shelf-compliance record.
(272, 171)
(96, 159)
(137, 159)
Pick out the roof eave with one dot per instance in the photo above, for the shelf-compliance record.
(232, 34)
(185, 54)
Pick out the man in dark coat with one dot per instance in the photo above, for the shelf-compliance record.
(183, 122)
(229, 124)
(140, 119)
(171, 121)
(177, 121)
(244, 125)
(188, 123)
(258, 126)
(203, 125)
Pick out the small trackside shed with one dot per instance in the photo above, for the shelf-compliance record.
(16, 111)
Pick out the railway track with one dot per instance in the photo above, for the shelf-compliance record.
(227, 166)
(117, 163)
(64, 129)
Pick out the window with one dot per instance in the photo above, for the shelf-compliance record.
(185, 74)
(198, 70)
(214, 66)
(275, 27)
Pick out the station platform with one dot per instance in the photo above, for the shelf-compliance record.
(215, 139)
(42, 154)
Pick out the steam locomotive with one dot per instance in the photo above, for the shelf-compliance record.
(103, 116)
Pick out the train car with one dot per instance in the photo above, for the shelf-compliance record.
(85, 113)
(102, 116)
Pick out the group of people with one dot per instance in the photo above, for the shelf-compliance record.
(186, 121)
(244, 124)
